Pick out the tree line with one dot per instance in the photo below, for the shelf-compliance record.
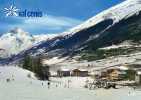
(35, 65)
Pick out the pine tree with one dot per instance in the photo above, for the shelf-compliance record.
(27, 62)
(34, 64)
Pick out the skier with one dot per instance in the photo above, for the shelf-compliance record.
(69, 83)
(48, 84)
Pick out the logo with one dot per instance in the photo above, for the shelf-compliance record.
(14, 11)
(11, 11)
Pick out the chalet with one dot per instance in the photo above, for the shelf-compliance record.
(111, 73)
(63, 72)
(80, 72)
(115, 74)
(97, 72)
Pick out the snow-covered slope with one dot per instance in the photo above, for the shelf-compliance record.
(43, 37)
(117, 13)
(24, 88)
(14, 73)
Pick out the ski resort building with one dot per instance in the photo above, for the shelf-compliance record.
(72, 72)
(110, 73)
(80, 72)
(115, 74)
(64, 72)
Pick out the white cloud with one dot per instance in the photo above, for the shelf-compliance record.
(53, 21)
(49, 23)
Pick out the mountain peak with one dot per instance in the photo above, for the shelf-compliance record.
(18, 30)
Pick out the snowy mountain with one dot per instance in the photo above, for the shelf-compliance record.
(121, 11)
(43, 37)
(17, 40)
(112, 26)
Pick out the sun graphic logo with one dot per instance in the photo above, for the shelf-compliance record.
(11, 11)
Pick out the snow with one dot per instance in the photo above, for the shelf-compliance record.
(115, 47)
(16, 91)
(43, 37)
(119, 61)
(24, 88)
(53, 60)
(125, 44)
(75, 82)
(15, 73)
(122, 67)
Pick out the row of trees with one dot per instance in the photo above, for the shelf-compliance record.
(35, 65)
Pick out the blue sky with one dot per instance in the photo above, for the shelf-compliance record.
(58, 15)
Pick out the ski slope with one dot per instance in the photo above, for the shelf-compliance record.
(24, 88)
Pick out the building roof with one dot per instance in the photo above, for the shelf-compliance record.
(139, 72)
(64, 69)
(122, 67)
